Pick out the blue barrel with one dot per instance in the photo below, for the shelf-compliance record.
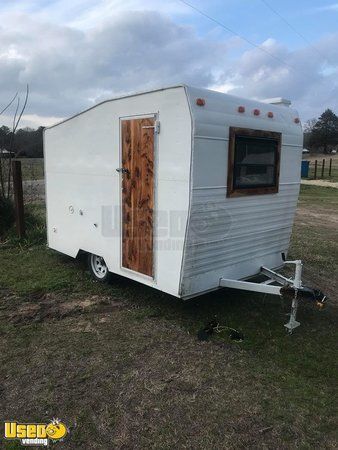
(305, 169)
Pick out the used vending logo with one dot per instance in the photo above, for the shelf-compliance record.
(37, 434)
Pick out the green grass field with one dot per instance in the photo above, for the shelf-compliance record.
(121, 365)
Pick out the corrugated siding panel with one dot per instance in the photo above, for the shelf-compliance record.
(224, 232)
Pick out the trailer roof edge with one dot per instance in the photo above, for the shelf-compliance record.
(134, 94)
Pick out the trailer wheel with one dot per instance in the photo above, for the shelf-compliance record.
(98, 268)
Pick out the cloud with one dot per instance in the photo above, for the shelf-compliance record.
(332, 7)
(86, 14)
(309, 79)
(95, 13)
(70, 68)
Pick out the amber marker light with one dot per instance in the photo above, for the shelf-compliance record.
(200, 102)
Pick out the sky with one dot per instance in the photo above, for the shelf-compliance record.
(74, 54)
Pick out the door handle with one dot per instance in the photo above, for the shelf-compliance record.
(122, 170)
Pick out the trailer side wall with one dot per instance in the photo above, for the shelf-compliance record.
(234, 237)
(84, 190)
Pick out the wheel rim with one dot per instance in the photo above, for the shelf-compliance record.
(99, 267)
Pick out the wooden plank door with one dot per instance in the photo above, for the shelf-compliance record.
(138, 194)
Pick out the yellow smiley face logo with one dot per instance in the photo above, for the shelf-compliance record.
(56, 430)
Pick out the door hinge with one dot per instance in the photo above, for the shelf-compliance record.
(156, 127)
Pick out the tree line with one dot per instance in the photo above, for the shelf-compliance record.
(321, 135)
(27, 142)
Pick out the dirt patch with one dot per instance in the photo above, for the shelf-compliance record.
(325, 224)
(149, 384)
(164, 384)
(319, 216)
(139, 384)
(56, 307)
(83, 326)
(322, 183)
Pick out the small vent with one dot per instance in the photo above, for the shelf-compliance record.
(278, 101)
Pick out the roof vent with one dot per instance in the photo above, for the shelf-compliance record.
(278, 101)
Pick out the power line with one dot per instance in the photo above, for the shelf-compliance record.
(292, 27)
(235, 33)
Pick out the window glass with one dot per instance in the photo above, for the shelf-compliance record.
(255, 162)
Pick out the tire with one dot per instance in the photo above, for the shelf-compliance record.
(98, 268)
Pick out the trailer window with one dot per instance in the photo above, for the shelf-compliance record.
(253, 162)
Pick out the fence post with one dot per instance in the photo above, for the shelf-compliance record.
(315, 174)
(18, 198)
(323, 166)
(330, 168)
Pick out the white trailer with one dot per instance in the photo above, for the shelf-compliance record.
(183, 189)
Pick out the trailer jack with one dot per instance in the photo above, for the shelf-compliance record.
(291, 288)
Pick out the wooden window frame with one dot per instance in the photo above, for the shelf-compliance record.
(248, 132)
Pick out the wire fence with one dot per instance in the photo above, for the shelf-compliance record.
(33, 182)
(22, 182)
(323, 169)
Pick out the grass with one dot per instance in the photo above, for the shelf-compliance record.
(313, 197)
(315, 233)
(121, 364)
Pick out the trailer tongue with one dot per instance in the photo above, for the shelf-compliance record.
(291, 288)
